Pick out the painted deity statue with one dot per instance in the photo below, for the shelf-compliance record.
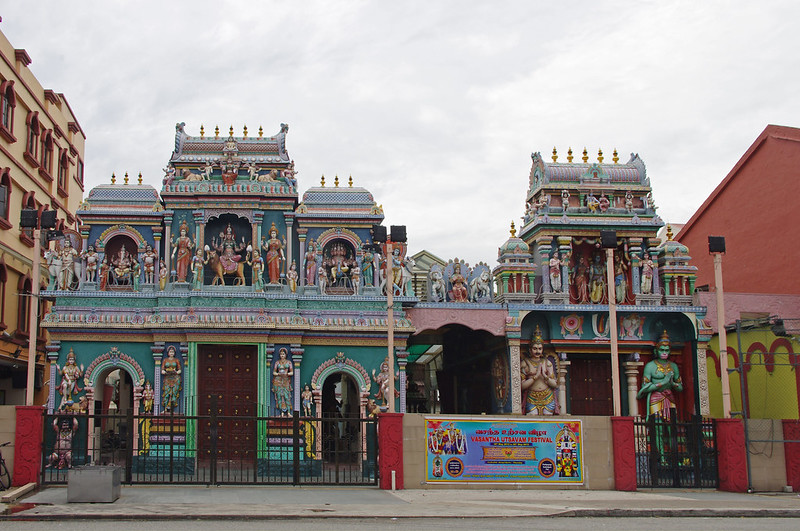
(382, 379)
(255, 261)
(275, 256)
(228, 249)
(282, 383)
(368, 268)
(121, 265)
(597, 280)
(65, 428)
(171, 380)
(620, 279)
(292, 276)
(150, 260)
(580, 279)
(459, 292)
(68, 387)
(68, 263)
(92, 258)
(555, 272)
(181, 252)
(310, 263)
(148, 398)
(538, 380)
(397, 271)
(647, 274)
(162, 275)
(197, 270)
(660, 381)
(307, 400)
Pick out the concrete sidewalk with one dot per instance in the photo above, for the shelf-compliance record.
(172, 502)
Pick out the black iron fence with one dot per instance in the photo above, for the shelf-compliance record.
(675, 453)
(210, 449)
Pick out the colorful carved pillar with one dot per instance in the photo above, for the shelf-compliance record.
(516, 379)
(28, 445)
(565, 248)
(791, 432)
(624, 453)
(297, 357)
(52, 348)
(390, 446)
(635, 251)
(731, 457)
(531, 283)
(301, 235)
(376, 263)
(269, 352)
(402, 361)
(545, 246)
(189, 377)
(563, 368)
(289, 219)
(702, 378)
(158, 353)
(632, 375)
(656, 278)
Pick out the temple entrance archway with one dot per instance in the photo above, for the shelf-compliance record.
(341, 409)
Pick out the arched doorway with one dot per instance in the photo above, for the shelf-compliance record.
(341, 411)
(113, 398)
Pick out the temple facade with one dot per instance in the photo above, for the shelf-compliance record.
(229, 290)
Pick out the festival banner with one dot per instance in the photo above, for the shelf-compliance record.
(503, 450)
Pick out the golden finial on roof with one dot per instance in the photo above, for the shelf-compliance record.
(585, 156)
(245, 130)
(513, 230)
(113, 179)
(669, 233)
(322, 181)
(600, 156)
(126, 177)
(202, 131)
(350, 181)
(615, 158)
(569, 155)
(260, 131)
(336, 181)
(140, 177)
(216, 131)
(555, 154)
(231, 131)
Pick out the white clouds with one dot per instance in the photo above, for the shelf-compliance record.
(434, 107)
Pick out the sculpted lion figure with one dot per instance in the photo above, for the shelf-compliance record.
(190, 176)
(438, 289)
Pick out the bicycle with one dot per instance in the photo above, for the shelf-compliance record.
(5, 476)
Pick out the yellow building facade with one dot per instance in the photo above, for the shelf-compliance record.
(41, 168)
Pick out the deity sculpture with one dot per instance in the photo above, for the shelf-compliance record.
(65, 428)
(603, 203)
(307, 400)
(255, 261)
(580, 279)
(92, 258)
(292, 276)
(555, 272)
(355, 277)
(620, 279)
(458, 292)
(68, 387)
(149, 259)
(136, 273)
(368, 268)
(163, 273)
(647, 274)
(228, 249)
(68, 255)
(275, 256)
(397, 271)
(382, 379)
(282, 384)
(104, 269)
(629, 202)
(171, 380)
(148, 398)
(121, 266)
(197, 270)
(181, 252)
(564, 200)
(310, 263)
(538, 380)
(597, 280)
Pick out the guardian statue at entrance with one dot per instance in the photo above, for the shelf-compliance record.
(538, 380)
(171, 380)
(282, 384)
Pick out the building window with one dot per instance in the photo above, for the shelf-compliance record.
(80, 173)
(47, 151)
(63, 171)
(26, 233)
(8, 102)
(25, 296)
(5, 198)
(32, 143)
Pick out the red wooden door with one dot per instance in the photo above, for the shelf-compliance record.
(590, 385)
(227, 383)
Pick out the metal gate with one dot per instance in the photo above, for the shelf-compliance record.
(167, 449)
(673, 453)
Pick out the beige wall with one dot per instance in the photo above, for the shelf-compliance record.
(597, 456)
(767, 459)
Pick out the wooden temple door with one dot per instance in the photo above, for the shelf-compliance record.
(228, 377)
(590, 385)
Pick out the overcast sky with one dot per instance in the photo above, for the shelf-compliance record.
(433, 106)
